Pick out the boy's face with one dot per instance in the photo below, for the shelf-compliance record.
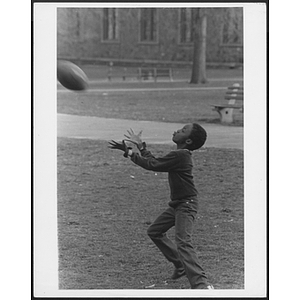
(181, 136)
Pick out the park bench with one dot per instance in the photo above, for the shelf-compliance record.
(154, 73)
(235, 97)
(118, 73)
(143, 73)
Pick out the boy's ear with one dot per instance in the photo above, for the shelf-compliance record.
(189, 142)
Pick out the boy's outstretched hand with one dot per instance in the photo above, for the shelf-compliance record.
(134, 138)
(120, 146)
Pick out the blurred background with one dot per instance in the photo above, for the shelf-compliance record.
(150, 36)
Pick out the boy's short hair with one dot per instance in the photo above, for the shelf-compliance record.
(198, 136)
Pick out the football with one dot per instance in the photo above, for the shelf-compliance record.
(71, 76)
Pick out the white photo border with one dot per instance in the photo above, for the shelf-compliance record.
(255, 146)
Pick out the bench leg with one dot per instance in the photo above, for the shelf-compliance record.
(226, 114)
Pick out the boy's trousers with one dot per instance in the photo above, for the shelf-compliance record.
(182, 255)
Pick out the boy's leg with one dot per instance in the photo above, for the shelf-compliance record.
(185, 214)
(157, 233)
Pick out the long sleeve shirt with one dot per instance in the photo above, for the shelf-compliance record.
(178, 164)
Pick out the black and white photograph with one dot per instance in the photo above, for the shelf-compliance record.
(150, 150)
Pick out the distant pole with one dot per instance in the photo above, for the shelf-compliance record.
(109, 74)
(79, 38)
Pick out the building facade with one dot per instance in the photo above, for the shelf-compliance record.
(153, 34)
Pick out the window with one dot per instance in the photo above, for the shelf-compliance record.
(110, 24)
(148, 25)
(232, 30)
(186, 25)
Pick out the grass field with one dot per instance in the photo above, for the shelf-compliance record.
(106, 203)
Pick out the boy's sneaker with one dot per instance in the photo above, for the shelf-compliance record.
(210, 287)
(178, 273)
(205, 287)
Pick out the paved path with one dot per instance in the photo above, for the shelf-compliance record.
(73, 126)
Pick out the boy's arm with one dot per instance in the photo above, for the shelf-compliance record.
(147, 161)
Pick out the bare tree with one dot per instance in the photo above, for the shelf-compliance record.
(199, 56)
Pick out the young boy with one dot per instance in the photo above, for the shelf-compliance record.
(183, 206)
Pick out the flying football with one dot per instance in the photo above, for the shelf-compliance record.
(71, 76)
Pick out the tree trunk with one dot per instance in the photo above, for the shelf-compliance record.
(203, 78)
(199, 56)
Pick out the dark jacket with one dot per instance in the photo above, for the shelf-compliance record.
(178, 164)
